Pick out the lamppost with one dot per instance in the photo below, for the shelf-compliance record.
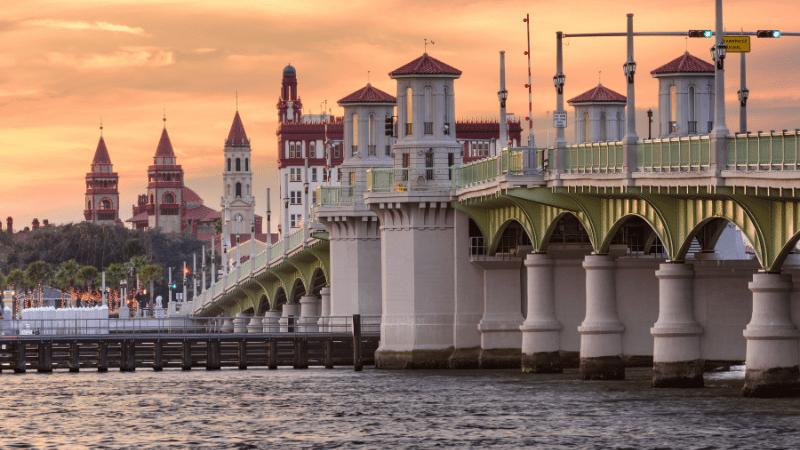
(649, 124)
(630, 69)
(718, 53)
(558, 81)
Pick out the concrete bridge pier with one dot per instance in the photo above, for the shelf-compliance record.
(289, 317)
(501, 339)
(227, 325)
(309, 307)
(256, 324)
(601, 330)
(271, 321)
(540, 331)
(325, 308)
(676, 351)
(773, 361)
(240, 322)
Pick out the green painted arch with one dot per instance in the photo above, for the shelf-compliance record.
(552, 222)
(616, 211)
(498, 220)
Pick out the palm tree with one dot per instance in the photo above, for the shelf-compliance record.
(218, 226)
(150, 273)
(114, 274)
(38, 273)
(64, 278)
(15, 279)
(86, 276)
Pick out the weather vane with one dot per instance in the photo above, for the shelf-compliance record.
(426, 45)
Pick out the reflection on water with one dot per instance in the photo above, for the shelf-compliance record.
(320, 408)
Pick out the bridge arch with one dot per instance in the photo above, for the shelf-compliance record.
(280, 299)
(318, 281)
(298, 290)
(628, 230)
(263, 305)
(569, 227)
(510, 235)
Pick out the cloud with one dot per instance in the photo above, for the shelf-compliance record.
(126, 57)
(78, 25)
(204, 50)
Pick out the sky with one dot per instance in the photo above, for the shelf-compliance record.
(67, 66)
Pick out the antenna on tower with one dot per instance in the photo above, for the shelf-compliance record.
(599, 73)
(368, 77)
(237, 101)
(165, 116)
(101, 126)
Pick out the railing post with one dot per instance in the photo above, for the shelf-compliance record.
(358, 362)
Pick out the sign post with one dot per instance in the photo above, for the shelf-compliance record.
(737, 44)
(559, 119)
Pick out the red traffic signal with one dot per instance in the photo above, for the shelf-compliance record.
(186, 271)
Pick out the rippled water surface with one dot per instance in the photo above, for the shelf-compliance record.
(320, 408)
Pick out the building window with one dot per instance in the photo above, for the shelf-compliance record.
(295, 198)
(314, 197)
(586, 127)
(293, 219)
(336, 150)
(620, 126)
(325, 175)
(313, 174)
(229, 164)
(692, 119)
(352, 179)
(673, 110)
(312, 150)
(169, 198)
(238, 165)
(603, 127)
(238, 189)
(429, 163)
(105, 204)
(291, 150)
(295, 174)
(371, 133)
(355, 135)
(247, 164)
(152, 199)
(409, 111)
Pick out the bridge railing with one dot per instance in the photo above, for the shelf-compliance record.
(296, 238)
(410, 179)
(764, 151)
(341, 195)
(685, 154)
(595, 157)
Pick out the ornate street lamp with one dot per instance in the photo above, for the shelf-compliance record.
(649, 124)
(743, 94)
(558, 81)
(503, 96)
(630, 69)
(718, 54)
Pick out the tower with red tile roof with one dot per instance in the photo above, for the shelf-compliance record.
(102, 196)
(426, 134)
(165, 188)
(685, 96)
(599, 115)
(237, 178)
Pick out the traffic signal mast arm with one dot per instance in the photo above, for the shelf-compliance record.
(680, 33)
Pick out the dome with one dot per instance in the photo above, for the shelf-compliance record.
(289, 70)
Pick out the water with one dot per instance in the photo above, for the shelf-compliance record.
(339, 408)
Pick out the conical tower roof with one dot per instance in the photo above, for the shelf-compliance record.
(237, 136)
(368, 94)
(164, 146)
(425, 65)
(101, 154)
(686, 63)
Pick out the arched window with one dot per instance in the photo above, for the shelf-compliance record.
(355, 135)
(248, 189)
(89, 205)
(586, 127)
(312, 149)
(409, 111)
(371, 133)
(228, 190)
(673, 109)
(291, 150)
(247, 164)
(428, 113)
(238, 189)
(105, 204)
(229, 164)
(691, 115)
(152, 199)
(620, 126)
(238, 165)
(603, 121)
(169, 198)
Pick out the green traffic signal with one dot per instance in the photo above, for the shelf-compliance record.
(768, 33)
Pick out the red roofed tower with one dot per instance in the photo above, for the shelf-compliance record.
(599, 115)
(290, 108)
(165, 188)
(685, 96)
(102, 196)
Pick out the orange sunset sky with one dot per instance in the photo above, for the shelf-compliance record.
(66, 64)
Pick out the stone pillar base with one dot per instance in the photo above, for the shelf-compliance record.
(542, 362)
(413, 359)
(500, 358)
(465, 358)
(772, 383)
(683, 374)
(602, 368)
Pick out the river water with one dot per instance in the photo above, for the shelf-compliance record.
(339, 408)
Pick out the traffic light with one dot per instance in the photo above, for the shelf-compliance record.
(174, 285)
(768, 33)
(700, 33)
(389, 126)
(187, 271)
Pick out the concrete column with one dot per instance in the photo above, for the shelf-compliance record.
(719, 143)
(676, 351)
(631, 138)
(271, 321)
(325, 308)
(289, 309)
(256, 324)
(540, 332)
(558, 157)
(468, 285)
(309, 310)
(240, 322)
(772, 362)
(743, 104)
(601, 330)
(501, 339)
(227, 325)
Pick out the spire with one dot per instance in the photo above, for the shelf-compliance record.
(164, 145)
(237, 136)
(101, 154)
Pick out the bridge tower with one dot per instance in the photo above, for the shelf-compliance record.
(418, 222)
(355, 240)
(102, 196)
(685, 96)
(237, 179)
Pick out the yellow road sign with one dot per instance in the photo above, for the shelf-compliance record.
(737, 44)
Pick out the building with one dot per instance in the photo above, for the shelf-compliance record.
(599, 115)
(169, 205)
(102, 196)
(685, 96)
